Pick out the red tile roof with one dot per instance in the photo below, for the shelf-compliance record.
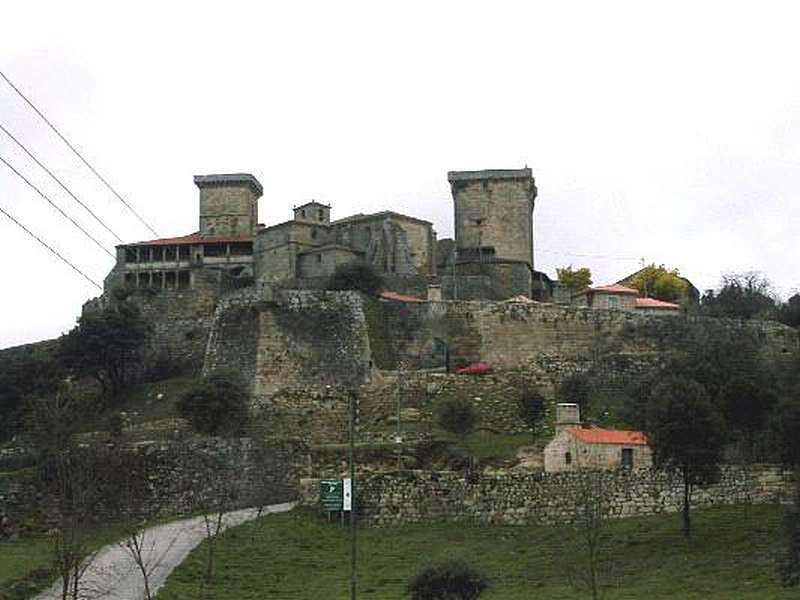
(400, 297)
(614, 288)
(192, 238)
(608, 436)
(653, 303)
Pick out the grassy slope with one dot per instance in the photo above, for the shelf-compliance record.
(300, 556)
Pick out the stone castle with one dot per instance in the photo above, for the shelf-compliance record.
(491, 256)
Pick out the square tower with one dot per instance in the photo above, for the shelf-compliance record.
(494, 214)
(228, 205)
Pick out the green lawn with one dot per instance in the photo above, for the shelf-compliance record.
(300, 555)
(25, 565)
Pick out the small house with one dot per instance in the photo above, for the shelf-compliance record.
(614, 297)
(652, 306)
(575, 447)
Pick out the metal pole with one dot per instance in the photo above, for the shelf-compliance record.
(353, 408)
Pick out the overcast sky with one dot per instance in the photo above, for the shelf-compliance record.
(664, 132)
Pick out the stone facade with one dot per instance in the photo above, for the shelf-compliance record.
(493, 214)
(546, 498)
(611, 297)
(310, 246)
(228, 205)
(599, 449)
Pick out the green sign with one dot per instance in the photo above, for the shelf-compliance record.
(331, 494)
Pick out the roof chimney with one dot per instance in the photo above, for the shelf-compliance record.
(567, 415)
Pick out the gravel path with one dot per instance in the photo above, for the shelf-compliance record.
(113, 573)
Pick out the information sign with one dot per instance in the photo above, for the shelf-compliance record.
(331, 494)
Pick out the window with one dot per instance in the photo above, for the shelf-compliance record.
(568, 458)
(321, 215)
(303, 213)
(627, 458)
(612, 302)
(313, 234)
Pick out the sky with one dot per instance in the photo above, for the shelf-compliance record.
(657, 132)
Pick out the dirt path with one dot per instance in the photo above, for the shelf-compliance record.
(113, 573)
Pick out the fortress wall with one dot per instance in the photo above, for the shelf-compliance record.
(180, 321)
(556, 338)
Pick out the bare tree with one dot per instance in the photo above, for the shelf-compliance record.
(75, 483)
(592, 509)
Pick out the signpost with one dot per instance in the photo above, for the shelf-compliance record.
(331, 495)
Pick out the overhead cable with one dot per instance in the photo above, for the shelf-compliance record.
(599, 256)
(54, 205)
(64, 187)
(43, 243)
(78, 154)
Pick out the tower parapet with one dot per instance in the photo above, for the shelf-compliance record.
(493, 214)
(228, 204)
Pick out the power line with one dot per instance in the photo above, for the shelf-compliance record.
(38, 239)
(78, 154)
(54, 205)
(600, 256)
(65, 188)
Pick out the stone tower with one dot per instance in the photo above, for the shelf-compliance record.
(494, 214)
(228, 205)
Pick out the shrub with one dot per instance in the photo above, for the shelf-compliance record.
(458, 416)
(218, 406)
(356, 276)
(451, 579)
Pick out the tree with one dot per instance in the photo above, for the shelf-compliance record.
(575, 389)
(218, 406)
(531, 409)
(359, 276)
(789, 312)
(459, 417)
(25, 372)
(686, 434)
(659, 282)
(77, 485)
(105, 343)
(746, 404)
(574, 280)
(592, 509)
(741, 296)
(784, 427)
(451, 579)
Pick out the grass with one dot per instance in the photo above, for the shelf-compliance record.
(144, 403)
(25, 566)
(496, 446)
(300, 555)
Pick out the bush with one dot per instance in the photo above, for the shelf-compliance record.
(449, 580)
(531, 408)
(458, 416)
(218, 406)
(356, 276)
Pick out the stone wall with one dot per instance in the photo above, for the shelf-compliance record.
(182, 476)
(555, 338)
(179, 321)
(545, 498)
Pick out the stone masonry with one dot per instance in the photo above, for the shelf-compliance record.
(546, 498)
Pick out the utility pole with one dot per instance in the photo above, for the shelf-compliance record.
(353, 426)
(401, 382)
